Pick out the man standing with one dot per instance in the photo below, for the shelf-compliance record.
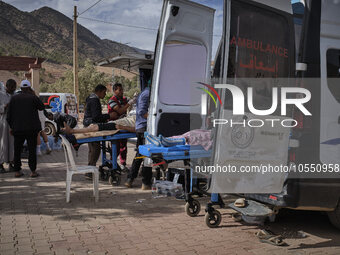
(23, 119)
(93, 114)
(117, 107)
(141, 122)
(6, 139)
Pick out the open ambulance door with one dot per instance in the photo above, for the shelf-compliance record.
(182, 58)
(258, 50)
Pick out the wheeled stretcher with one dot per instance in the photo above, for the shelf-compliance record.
(177, 152)
(192, 181)
(109, 169)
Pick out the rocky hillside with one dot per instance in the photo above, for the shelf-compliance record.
(48, 33)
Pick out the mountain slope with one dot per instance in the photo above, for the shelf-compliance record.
(48, 33)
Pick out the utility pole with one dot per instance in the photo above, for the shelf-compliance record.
(75, 58)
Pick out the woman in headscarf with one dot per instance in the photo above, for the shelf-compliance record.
(6, 139)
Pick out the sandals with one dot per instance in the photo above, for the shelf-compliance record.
(266, 236)
(34, 175)
(18, 174)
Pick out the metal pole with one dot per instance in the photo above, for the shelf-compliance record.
(75, 58)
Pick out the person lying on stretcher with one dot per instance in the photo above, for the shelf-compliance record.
(127, 123)
(193, 137)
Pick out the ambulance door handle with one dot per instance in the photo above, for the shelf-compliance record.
(339, 120)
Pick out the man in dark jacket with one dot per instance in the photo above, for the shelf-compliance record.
(93, 107)
(23, 119)
(93, 114)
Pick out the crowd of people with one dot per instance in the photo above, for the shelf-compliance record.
(95, 120)
(23, 118)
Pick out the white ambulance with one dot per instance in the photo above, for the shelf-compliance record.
(260, 39)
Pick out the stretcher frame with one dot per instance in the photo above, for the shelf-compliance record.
(185, 153)
(109, 169)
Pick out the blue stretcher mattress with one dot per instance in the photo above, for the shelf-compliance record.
(177, 152)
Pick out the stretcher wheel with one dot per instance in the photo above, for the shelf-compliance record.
(114, 180)
(213, 219)
(193, 209)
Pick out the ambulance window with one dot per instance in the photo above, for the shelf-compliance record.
(183, 65)
(261, 45)
(333, 72)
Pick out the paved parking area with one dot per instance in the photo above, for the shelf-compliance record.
(35, 219)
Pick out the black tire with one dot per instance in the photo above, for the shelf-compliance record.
(49, 128)
(334, 217)
(114, 180)
(193, 209)
(213, 219)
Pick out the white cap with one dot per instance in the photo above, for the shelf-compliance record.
(25, 84)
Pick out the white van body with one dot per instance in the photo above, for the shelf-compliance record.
(330, 87)
(58, 102)
(182, 58)
(315, 43)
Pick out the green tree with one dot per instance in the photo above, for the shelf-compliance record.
(89, 78)
(63, 85)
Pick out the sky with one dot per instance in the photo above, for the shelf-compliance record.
(142, 13)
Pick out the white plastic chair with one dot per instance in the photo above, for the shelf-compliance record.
(72, 169)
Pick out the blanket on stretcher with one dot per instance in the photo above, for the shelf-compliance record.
(95, 134)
